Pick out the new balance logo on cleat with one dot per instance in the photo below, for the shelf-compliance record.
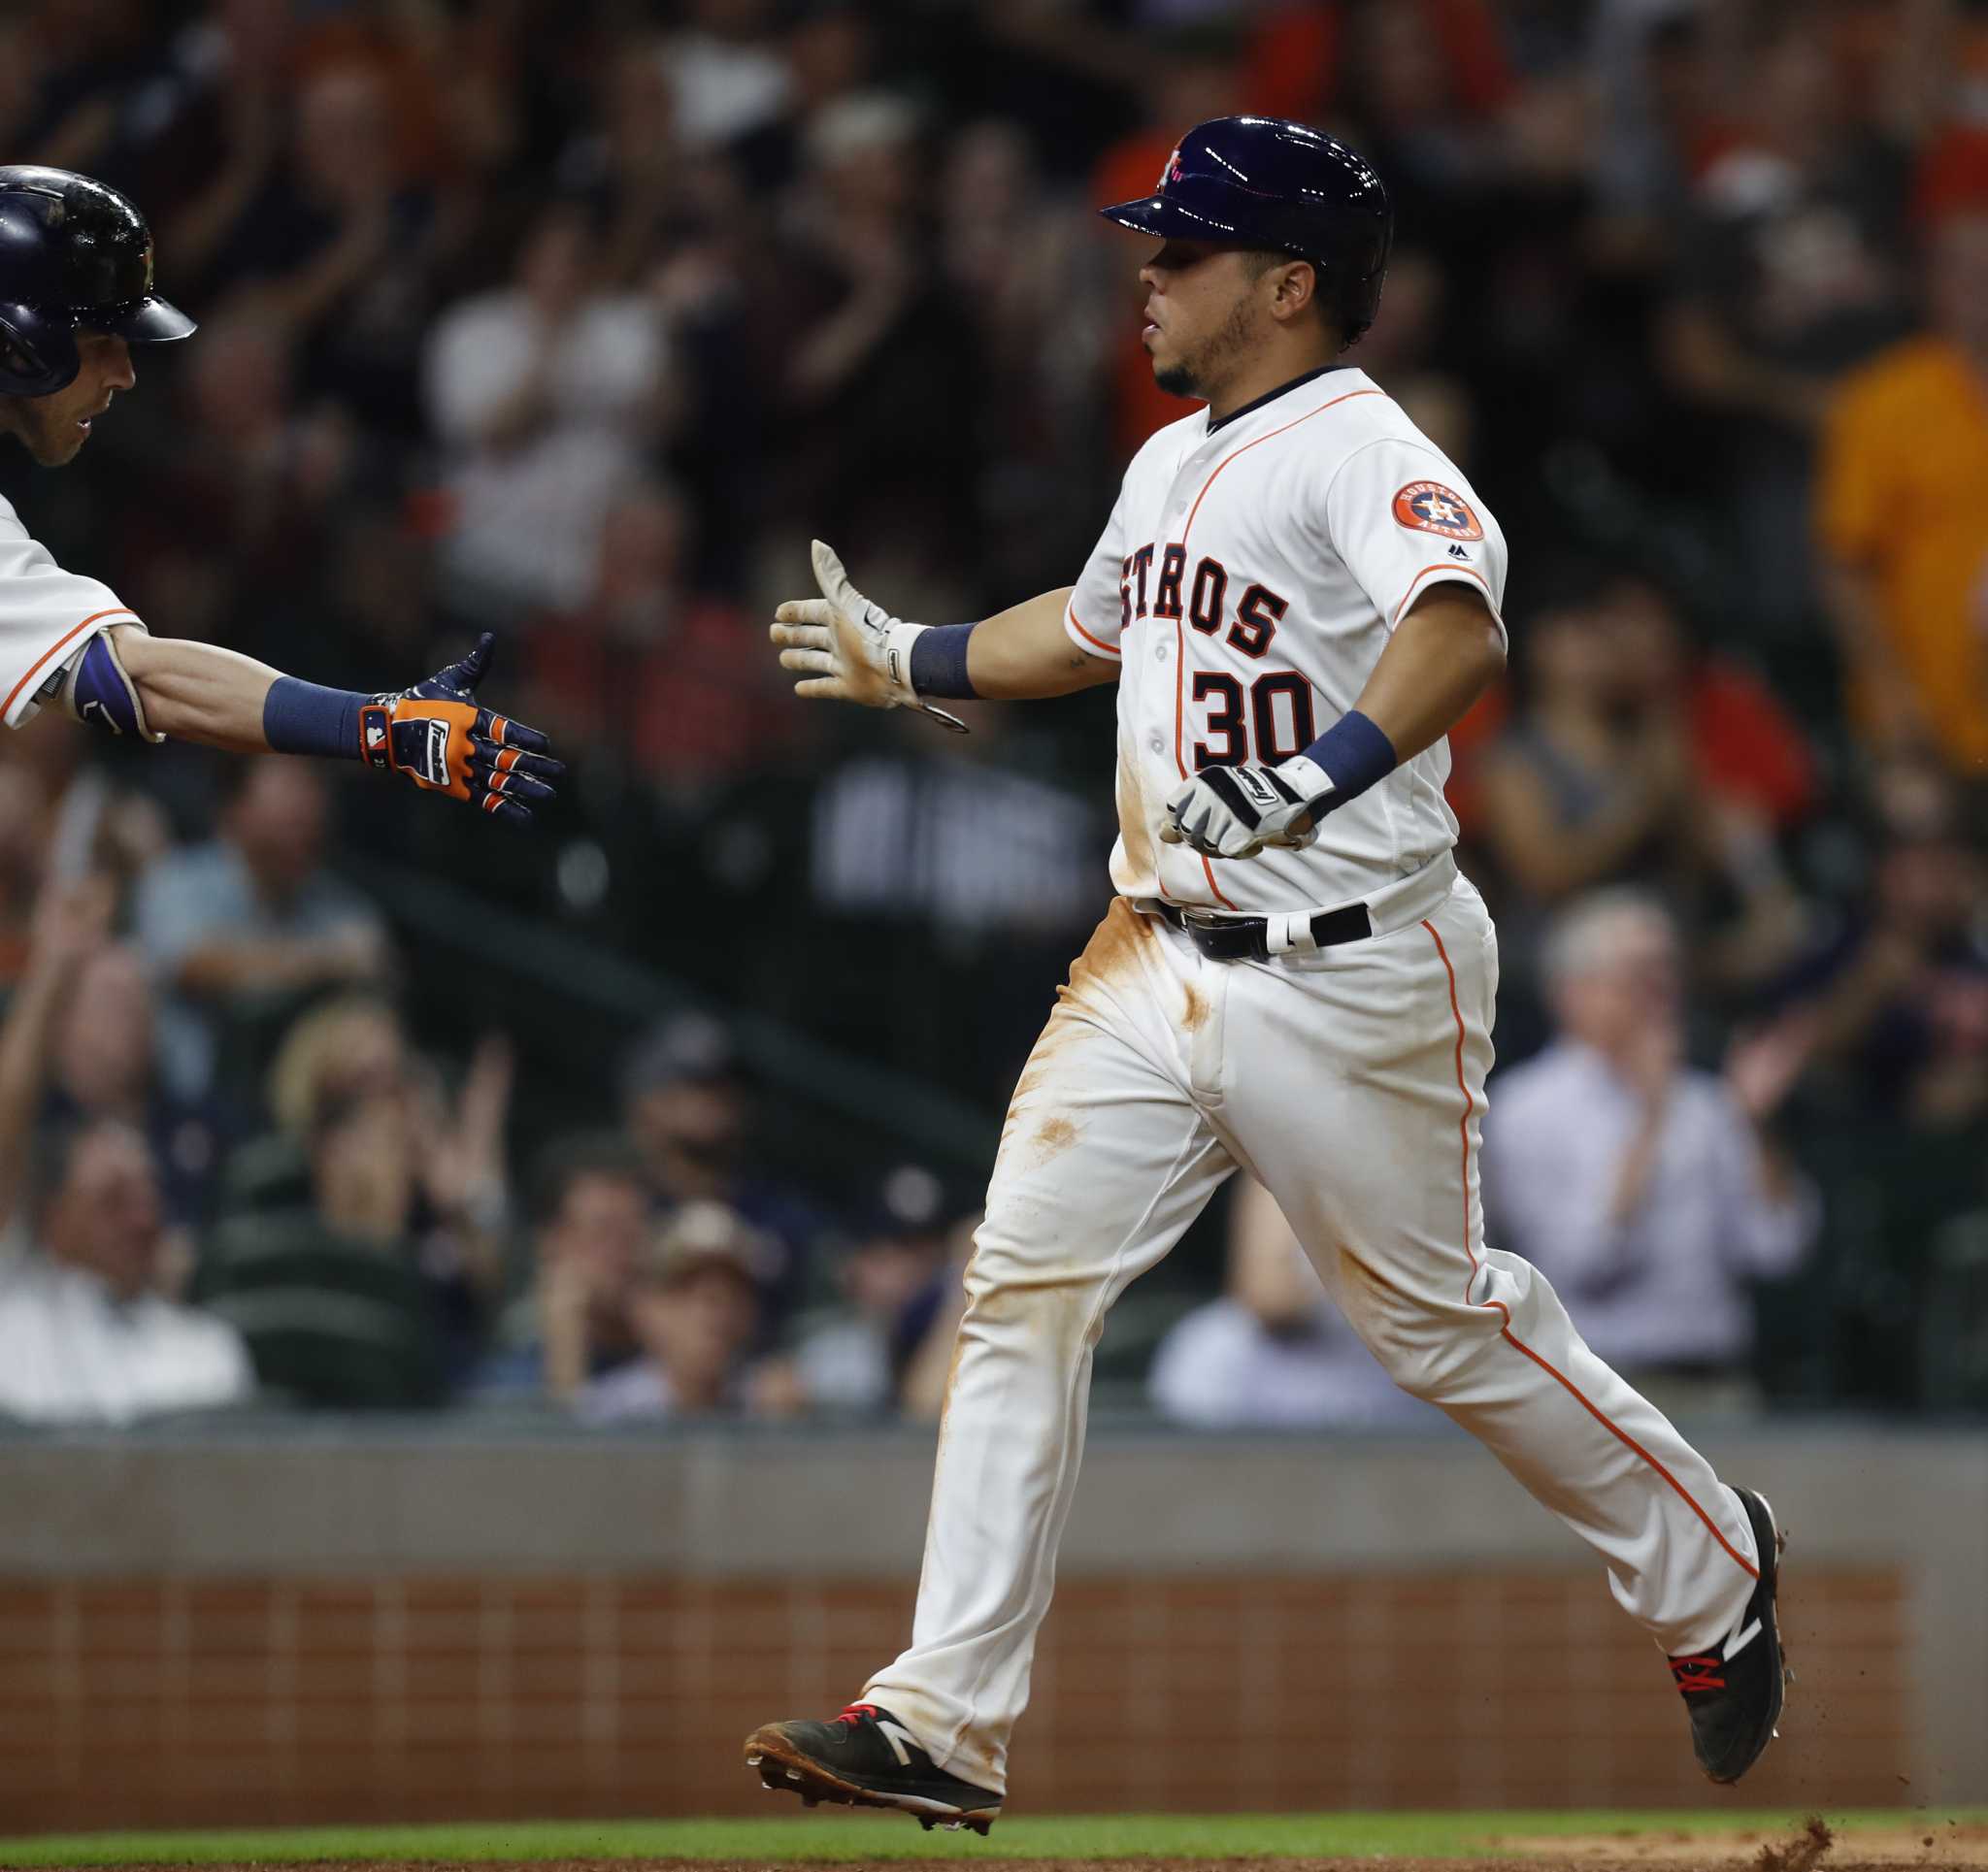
(1734, 1646)
(1734, 1694)
(867, 1758)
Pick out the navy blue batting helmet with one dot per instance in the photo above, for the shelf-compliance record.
(1270, 182)
(75, 256)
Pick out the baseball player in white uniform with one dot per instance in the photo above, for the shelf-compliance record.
(75, 294)
(1297, 594)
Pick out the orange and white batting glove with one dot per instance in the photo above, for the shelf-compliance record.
(437, 736)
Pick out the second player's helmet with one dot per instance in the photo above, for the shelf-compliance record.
(1271, 182)
(75, 256)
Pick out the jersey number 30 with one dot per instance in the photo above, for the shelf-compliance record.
(1278, 710)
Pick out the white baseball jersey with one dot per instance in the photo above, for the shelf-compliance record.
(46, 617)
(1250, 578)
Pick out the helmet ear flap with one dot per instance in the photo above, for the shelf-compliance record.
(37, 357)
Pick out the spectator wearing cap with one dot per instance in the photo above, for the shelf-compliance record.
(694, 1305)
(688, 1109)
(86, 1333)
(853, 1359)
(1273, 1353)
(1646, 1191)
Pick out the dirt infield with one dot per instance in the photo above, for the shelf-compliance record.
(1932, 1846)
(1811, 1848)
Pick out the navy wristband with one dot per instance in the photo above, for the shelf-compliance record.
(1354, 753)
(302, 718)
(938, 662)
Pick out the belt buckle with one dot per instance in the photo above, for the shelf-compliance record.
(1198, 919)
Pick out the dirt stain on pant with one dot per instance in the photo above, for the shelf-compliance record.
(1117, 947)
(1194, 1014)
(1055, 1136)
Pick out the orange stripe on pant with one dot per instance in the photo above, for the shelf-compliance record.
(1567, 1384)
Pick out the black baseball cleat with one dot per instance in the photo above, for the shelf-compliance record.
(1734, 1694)
(867, 1758)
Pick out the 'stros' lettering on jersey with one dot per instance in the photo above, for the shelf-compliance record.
(1265, 720)
(1202, 600)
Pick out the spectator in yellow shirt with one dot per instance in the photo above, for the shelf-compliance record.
(1902, 516)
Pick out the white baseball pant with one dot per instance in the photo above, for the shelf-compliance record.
(1350, 1080)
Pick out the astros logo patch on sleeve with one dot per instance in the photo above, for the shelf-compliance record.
(1431, 508)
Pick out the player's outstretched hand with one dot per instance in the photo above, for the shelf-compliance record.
(1237, 811)
(847, 648)
(439, 737)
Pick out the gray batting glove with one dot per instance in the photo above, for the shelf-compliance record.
(1237, 811)
(847, 648)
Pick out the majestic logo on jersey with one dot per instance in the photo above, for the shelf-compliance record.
(1431, 508)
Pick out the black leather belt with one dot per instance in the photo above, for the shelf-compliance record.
(1246, 938)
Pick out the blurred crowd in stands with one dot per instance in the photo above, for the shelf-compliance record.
(578, 320)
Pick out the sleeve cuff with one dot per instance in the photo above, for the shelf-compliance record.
(1084, 639)
(1443, 572)
(24, 700)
